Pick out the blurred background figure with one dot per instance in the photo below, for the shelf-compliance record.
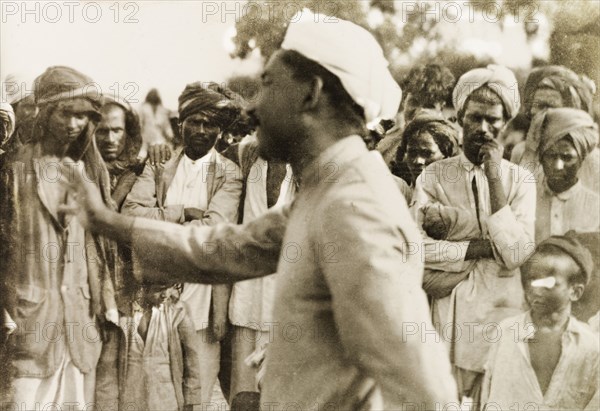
(7, 126)
(17, 91)
(155, 122)
(425, 87)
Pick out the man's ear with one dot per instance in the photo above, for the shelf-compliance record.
(576, 291)
(314, 93)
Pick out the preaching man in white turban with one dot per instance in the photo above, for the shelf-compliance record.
(478, 277)
(351, 322)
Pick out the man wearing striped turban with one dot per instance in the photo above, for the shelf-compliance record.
(565, 137)
(197, 186)
(555, 87)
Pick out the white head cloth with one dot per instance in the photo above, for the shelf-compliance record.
(498, 78)
(352, 54)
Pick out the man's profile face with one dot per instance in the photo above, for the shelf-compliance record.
(110, 134)
(65, 124)
(561, 163)
(199, 135)
(276, 110)
(481, 122)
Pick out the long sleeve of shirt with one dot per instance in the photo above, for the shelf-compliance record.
(142, 201)
(511, 229)
(228, 252)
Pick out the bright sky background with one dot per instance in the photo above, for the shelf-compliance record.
(171, 44)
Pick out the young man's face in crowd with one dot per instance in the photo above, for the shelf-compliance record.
(545, 277)
(276, 110)
(561, 164)
(199, 135)
(65, 124)
(110, 134)
(421, 151)
(481, 122)
(545, 98)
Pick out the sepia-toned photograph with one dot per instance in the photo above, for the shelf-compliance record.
(299, 205)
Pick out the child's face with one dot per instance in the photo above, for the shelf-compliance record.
(545, 281)
(155, 295)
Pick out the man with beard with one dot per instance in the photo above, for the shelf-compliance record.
(197, 186)
(53, 271)
(119, 141)
(501, 204)
(349, 280)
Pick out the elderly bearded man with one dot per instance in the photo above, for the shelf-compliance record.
(484, 285)
(53, 272)
(349, 279)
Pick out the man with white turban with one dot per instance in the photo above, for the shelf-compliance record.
(349, 277)
(564, 138)
(479, 281)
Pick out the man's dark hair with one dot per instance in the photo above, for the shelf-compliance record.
(305, 69)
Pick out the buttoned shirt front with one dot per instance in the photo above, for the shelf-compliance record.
(492, 290)
(577, 208)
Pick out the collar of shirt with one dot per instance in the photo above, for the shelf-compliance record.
(326, 167)
(565, 195)
(196, 165)
(528, 331)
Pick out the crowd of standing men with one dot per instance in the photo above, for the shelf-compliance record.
(154, 263)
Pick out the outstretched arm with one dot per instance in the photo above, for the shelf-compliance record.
(167, 252)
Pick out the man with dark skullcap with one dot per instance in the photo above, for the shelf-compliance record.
(197, 186)
(545, 357)
(54, 277)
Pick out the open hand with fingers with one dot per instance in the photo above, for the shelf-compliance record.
(87, 201)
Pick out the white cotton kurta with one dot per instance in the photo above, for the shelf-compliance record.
(189, 188)
(251, 303)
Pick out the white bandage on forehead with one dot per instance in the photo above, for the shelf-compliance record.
(352, 54)
(547, 282)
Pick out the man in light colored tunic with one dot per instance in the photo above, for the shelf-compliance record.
(501, 203)
(349, 278)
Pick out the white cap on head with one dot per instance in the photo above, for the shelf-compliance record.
(353, 55)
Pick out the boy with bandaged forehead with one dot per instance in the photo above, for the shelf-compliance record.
(545, 358)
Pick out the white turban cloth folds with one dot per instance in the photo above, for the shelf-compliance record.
(353, 55)
(498, 78)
